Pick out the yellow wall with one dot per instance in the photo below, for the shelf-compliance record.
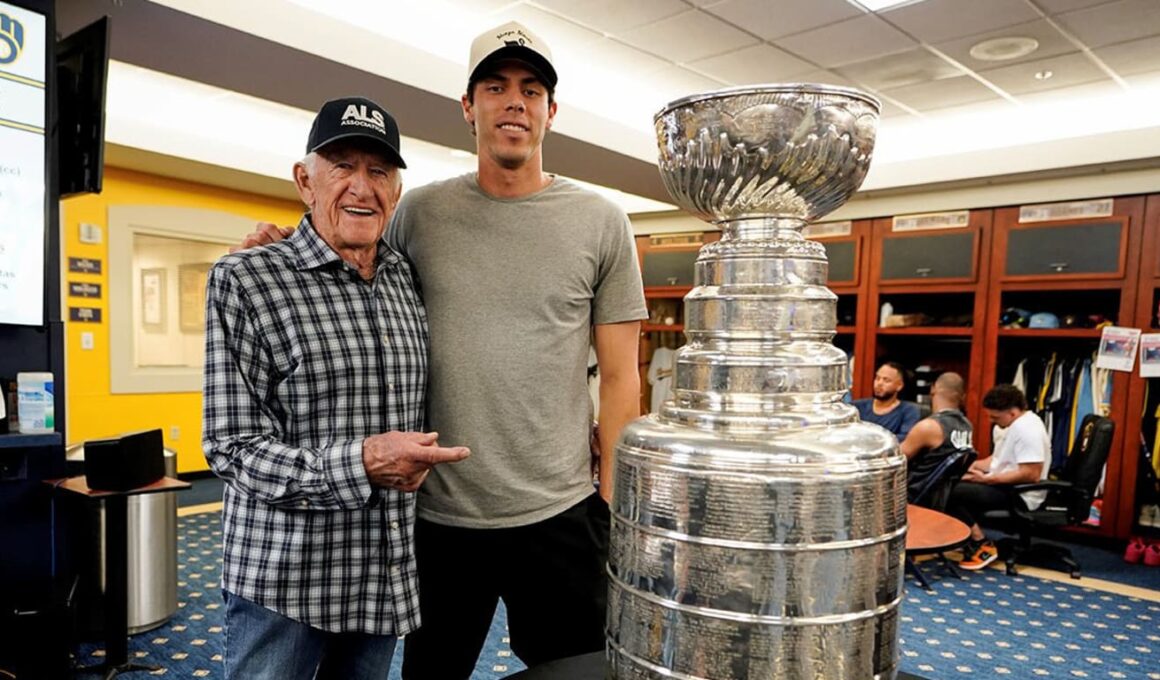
(93, 411)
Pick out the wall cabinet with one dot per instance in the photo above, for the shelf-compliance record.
(936, 255)
(1068, 250)
(925, 301)
(1077, 275)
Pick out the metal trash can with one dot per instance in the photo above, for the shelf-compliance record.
(152, 538)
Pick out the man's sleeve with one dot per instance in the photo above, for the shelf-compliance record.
(242, 434)
(910, 416)
(619, 294)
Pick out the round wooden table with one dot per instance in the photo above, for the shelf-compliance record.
(931, 532)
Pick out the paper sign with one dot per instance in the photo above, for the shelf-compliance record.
(1150, 355)
(1118, 348)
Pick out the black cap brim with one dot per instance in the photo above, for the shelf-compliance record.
(533, 59)
(372, 141)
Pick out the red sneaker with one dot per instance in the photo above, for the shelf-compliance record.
(1135, 551)
(1152, 555)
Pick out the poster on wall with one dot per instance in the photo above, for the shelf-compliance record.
(22, 171)
(1150, 355)
(1118, 348)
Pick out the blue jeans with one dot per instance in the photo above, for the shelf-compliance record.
(264, 645)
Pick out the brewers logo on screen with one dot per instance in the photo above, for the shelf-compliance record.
(11, 39)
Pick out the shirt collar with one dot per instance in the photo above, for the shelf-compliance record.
(311, 252)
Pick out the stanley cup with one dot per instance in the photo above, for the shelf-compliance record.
(758, 526)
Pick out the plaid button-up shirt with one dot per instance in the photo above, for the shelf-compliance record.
(305, 359)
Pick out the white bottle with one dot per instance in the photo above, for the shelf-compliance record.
(886, 313)
(34, 402)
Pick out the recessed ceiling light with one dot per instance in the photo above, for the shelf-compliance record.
(1005, 48)
(879, 5)
(1043, 75)
(460, 153)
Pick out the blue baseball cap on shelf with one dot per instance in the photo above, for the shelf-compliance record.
(1043, 320)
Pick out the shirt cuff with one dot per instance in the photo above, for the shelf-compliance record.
(347, 477)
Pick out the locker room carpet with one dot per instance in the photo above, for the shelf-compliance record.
(986, 625)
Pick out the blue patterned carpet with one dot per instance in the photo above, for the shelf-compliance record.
(988, 625)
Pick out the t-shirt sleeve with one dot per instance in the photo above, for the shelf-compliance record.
(1030, 444)
(619, 294)
(910, 416)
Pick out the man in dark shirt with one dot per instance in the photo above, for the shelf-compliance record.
(886, 409)
(934, 438)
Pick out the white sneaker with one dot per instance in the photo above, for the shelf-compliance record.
(1150, 516)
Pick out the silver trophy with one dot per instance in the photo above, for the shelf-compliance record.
(758, 526)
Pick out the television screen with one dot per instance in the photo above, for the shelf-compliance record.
(23, 150)
(82, 66)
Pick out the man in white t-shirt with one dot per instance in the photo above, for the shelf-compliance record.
(1022, 456)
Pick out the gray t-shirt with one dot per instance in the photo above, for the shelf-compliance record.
(512, 288)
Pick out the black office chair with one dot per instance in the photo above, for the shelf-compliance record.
(933, 494)
(1068, 503)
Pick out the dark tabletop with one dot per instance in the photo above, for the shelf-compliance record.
(591, 667)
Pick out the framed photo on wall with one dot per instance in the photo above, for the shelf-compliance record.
(153, 293)
(191, 295)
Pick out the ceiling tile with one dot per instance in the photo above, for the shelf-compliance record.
(1067, 70)
(824, 77)
(941, 94)
(610, 55)
(1114, 22)
(1130, 58)
(889, 110)
(935, 21)
(857, 39)
(755, 64)
(674, 82)
(688, 37)
(1051, 44)
(560, 33)
(899, 69)
(772, 20)
(614, 16)
(1061, 6)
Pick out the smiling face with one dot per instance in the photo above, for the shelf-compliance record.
(351, 192)
(510, 112)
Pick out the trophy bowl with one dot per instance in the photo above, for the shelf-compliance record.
(794, 151)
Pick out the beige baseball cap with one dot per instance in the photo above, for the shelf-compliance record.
(513, 40)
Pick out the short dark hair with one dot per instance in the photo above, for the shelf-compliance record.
(1003, 397)
(902, 372)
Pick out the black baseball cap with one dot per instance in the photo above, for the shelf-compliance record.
(515, 41)
(356, 118)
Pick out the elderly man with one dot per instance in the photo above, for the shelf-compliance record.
(518, 267)
(1022, 457)
(315, 382)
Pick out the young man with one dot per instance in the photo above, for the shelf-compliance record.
(312, 345)
(886, 409)
(934, 438)
(517, 267)
(1023, 457)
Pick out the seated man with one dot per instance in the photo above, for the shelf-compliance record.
(936, 437)
(1022, 457)
(886, 409)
